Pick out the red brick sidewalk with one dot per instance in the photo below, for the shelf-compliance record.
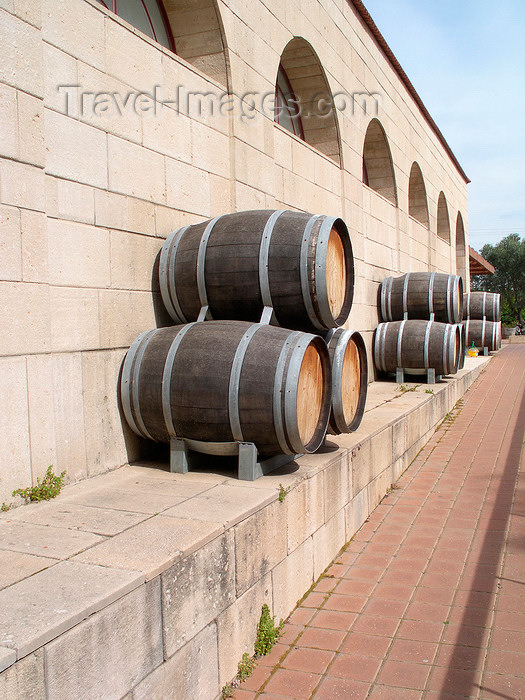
(428, 600)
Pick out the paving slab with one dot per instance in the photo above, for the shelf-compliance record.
(15, 566)
(100, 521)
(224, 504)
(41, 607)
(152, 546)
(42, 540)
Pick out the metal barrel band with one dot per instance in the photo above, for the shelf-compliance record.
(130, 377)
(426, 343)
(431, 293)
(291, 387)
(448, 294)
(264, 253)
(321, 284)
(337, 371)
(399, 343)
(166, 379)
(201, 261)
(279, 390)
(303, 267)
(235, 378)
(167, 282)
(405, 295)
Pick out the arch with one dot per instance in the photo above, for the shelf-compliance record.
(198, 36)
(443, 221)
(378, 169)
(191, 30)
(461, 249)
(147, 16)
(309, 97)
(417, 195)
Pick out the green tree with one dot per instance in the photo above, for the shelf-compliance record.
(508, 258)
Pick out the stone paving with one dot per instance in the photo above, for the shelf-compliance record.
(428, 599)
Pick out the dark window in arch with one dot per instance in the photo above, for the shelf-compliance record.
(378, 170)
(287, 107)
(417, 196)
(147, 16)
(302, 78)
(443, 222)
(461, 248)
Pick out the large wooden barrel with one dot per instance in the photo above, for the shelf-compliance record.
(349, 380)
(419, 294)
(483, 333)
(482, 305)
(226, 381)
(236, 264)
(417, 345)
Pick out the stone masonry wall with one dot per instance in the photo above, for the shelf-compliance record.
(87, 196)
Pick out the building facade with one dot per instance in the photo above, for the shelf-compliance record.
(117, 129)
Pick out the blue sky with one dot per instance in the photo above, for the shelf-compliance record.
(466, 59)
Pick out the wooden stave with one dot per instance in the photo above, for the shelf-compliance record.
(337, 342)
(482, 304)
(281, 351)
(417, 340)
(294, 273)
(414, 292)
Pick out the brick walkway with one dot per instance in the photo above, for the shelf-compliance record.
(428, 599)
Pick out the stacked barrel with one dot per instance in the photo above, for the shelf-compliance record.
(270, 364)
(421, 328)
(482, 320)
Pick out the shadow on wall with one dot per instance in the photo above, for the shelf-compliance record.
(138, 448)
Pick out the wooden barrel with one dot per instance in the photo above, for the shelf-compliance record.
(483, 333)
(419, 294)
(482, 305)
(229, 381)
(417, 345)
(349, 380)
(236, 264)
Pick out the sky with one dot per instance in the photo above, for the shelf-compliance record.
(466, 59)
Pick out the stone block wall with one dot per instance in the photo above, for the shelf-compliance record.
(90, 187)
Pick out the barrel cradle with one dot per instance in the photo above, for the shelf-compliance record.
(483, 333)
(418, 295)
(299, 264)
(222, 381)
(479, 305)
(417, 345)
(349, 380)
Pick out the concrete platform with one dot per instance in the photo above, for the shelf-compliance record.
(144, 584)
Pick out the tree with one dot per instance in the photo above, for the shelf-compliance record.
(508, 258)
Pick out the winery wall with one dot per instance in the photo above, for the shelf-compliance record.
(110, 141)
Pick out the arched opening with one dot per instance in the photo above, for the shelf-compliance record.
(191, 30)
(378, 170)
(417, 196)
(198, 36)
(147, 16)
(303, 100)
(443, 221)
(461, 250)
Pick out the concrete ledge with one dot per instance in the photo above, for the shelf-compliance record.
(516, 339)
(141, 583)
